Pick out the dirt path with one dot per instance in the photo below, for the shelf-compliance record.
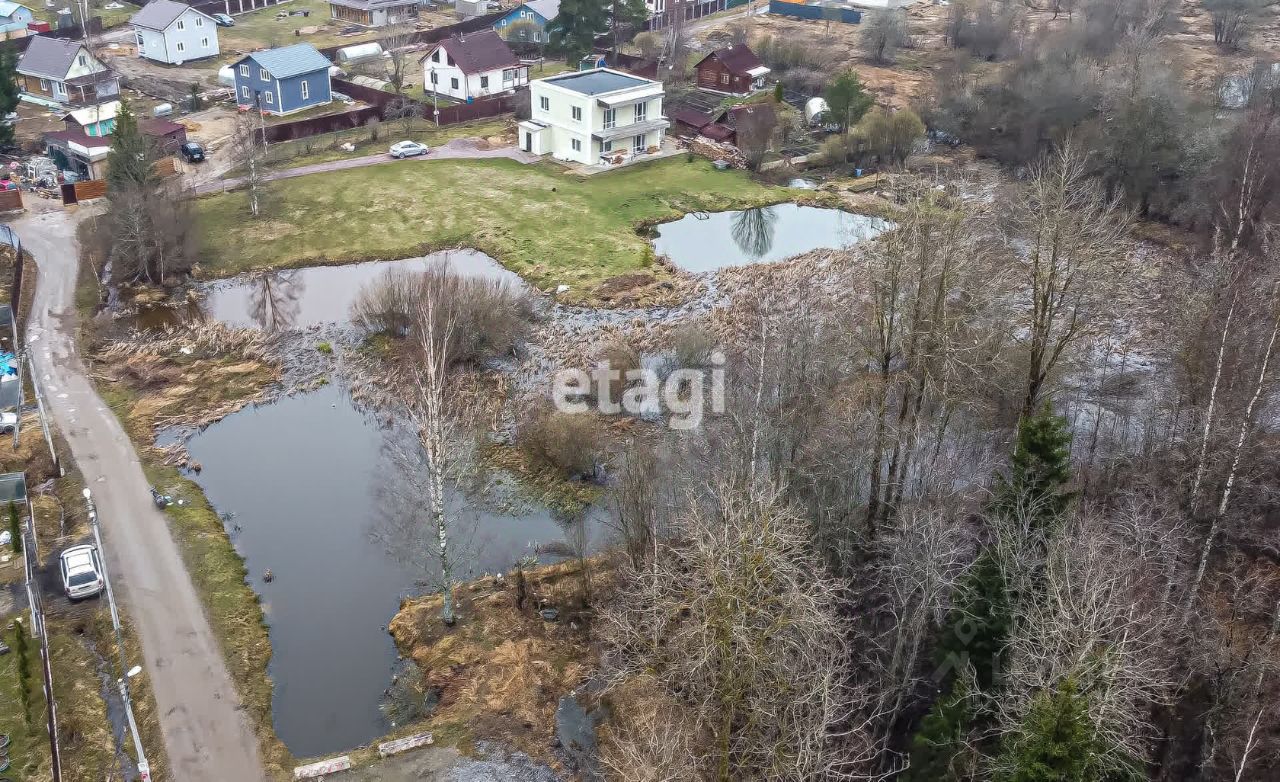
(459, 148)
(207, 735)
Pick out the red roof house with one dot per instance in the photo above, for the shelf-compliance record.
(733, 71)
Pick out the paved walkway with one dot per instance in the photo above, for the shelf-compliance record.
(459, 148)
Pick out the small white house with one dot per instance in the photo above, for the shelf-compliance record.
(473, 65)
(600, 116)
(174, 33)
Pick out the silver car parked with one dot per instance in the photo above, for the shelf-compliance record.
(81, 572)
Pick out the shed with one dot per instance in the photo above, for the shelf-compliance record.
(361, 52)
(732, 71)
(13, 488)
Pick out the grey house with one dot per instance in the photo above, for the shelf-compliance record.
(171, 32)
(282, 81)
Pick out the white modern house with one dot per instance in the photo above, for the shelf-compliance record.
(174, 33)
(473, 65)
(600, 116)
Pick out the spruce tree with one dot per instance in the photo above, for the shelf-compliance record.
(937, 746)
(573, 32)
(1055, 742)
(1040, 469)
(130, 159)
(15, 527)
(9, 94)
(979, 624)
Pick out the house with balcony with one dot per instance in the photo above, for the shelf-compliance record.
(174, 33)
(599, 116)
(282, 81)
(472, 65)
(55, 72)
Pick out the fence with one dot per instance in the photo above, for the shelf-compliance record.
(846, 15)
(83, 191)
(232, 6)
(436, 34)
(330, 123)
(10, 200)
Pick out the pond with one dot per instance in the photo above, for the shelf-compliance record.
(301, 484)
(301, 298)
(704, 241)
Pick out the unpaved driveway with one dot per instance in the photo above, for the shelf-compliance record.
(459, 148)
(206, 734)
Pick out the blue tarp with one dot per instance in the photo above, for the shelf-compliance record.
(846, 15)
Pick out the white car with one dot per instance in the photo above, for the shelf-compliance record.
(403, 149)
(81, 572)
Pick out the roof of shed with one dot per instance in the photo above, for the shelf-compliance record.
(7, 8)
(47, 56)
(477, 52)
(289, 61)
(691, 117)
(159, 14)
(738, 58)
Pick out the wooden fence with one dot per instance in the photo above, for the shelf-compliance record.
(10, 200)
(347, 120)
(83, 191)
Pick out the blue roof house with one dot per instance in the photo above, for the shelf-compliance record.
(14, 16)
(282, 81)
(538, 12)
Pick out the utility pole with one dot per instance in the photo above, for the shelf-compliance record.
(144, 769)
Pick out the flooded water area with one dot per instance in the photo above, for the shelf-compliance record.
(302, 298)
(703, 241)
(307, 488)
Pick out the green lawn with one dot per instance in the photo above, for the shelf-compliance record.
(28, 735)
(548, 226)
(261, 28)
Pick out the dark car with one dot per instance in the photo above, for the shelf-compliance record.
(193, 152)
(224, 21)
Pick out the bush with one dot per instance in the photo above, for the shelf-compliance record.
(570, 442)
(692, 347)
(835, 150)
(622, 357)
(487, 317)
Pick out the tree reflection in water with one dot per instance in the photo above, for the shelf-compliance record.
(753, 230)
(275, 299)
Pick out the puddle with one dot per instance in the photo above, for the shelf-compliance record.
(300, 298)
(302, 486)
(704, 241)
(116, 715)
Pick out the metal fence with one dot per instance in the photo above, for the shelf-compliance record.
(835, 14)
(347, 120)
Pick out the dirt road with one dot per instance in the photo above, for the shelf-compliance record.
(459, 148)
(207, 735)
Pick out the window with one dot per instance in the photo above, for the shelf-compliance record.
(204, 43)
(508, 75)
(141, 42)
(453, 83)
(244, 70)
(577, 113)
(484, 82)
(181, 25)
(306, 90)
(199, 21)
(435, 78)
(44, 85)
(642, 110)
(503, 23)
(262, 74)
(244, 91)
(83, 60)
(182, 47)
(271, 99)
(606, 146)
(436, 57)
(724, 78)
(637, 144)
(544, 103)
(576, 144)
(610, 118)
(524, 14)
(537, 36)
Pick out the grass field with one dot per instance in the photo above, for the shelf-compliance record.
(548, 226)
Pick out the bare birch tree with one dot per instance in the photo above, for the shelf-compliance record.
(248, 149)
